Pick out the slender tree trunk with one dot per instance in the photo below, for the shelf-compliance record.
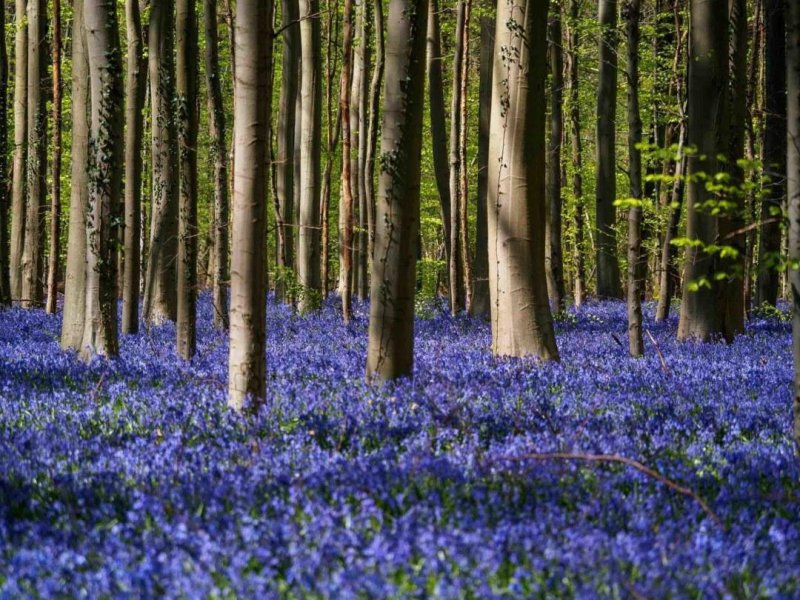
(20, 158)
(635, 283)
(793, 188)
(160, 298)
(522, 324)
(346, 204)
(555, 267)
(105, 181)
(390, 353)
(33, 252)
(187, 109)
(463, 172)
(54, 257)
(361, 77)
(75, 275)
(334, 128)
(252, 99)
(702, 307)
(134, 136)
(769, 254)
(284, 167)
(577, 150)
(374, 116)
(5, 199)
(309, 251)
(608, 279)
(480, 292)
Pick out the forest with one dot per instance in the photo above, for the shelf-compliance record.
(400, 299)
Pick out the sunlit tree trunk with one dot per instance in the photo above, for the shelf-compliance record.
(160, 297)
(252, 97)
(20, 155)
(522, 324)
(5, 196)
(361, 62)
(390, 353)
(75, 274)
(463, 169)
(374, 123)
(54, 256)
(346, 203)
(105, 179)
(576, 145)
(33, 251)
(455, 257)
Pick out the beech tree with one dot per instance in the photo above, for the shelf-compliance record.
(522, 324)
(5, 203)
(252, 99)
(20, 153)
(576, 146)
(54, 257)
(390, 353)
(793, 190)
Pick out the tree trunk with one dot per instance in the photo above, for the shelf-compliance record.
(480, 291)
(134, 136)
(105, 181)
(769, 254)
(33, 251)
(702, 307)
(284, 166)
(463, 172)
(54, 257)
(522, 324)
(390, 353)
(75, 274)
(160, 298)
(555, 267)
(20, 158)
(346, 204)
(577, 149)
(187, 54)
(252, 99)
(635, 283)
(308, 250)
(334, 128)
(5, 200)
(361, 87)
(374, 116)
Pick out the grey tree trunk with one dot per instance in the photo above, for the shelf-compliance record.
(105, 182)
(362, 57)
(346, 203)
(793, 189)
(390, 352)
(577, 149)
(20, 157)
(463, 170)
(480, 292)
(134, 139)
(454, 256)
(252, 98)
(5, 199)
(75, 275)
(308, 247)
(188, 109)
(374, 123)
(217, 126)
(54, 256)
(522, 324)
(702, 308)
(554, 255)
(635, 283)
(160, 296)
(608, 279)
(33, 251)
(284, 167)
(769, 253)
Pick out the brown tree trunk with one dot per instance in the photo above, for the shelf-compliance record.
(361, 91)
(20, 157)
(346, 205)
(577, 150)
(54, 257)
(463, 172)
(374, 116)
(5, 199)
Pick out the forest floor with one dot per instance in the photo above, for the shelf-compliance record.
(132, 478)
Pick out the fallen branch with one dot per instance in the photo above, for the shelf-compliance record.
(615, 458)
(658, 351)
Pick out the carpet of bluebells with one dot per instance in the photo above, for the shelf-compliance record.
(130, 478)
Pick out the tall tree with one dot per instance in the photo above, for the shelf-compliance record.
(555, 267)
(186, 27)
(463, 165)
(19, 164)
(576, 144)
(33, 251)
(135, 88)
(308, 247)
(160, 295)
(522, 324)
(75, 275)
(774, 151)
(632, 9)
(216, 112)
(105, 180)
(359, 108)
(5, 200)
(608, 280)
(252, 97)
(54, 257)
(702, 309)
(374, 123)
(284, 160)
(346, 205)
(390, 352)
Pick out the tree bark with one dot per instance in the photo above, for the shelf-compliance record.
(522, 324)
(374, 116)
(608, 279)
(5, 200)
(463, 171)
(75, 275)
(346, 204)
(360, 88)
(160, 297)
(54, 257)
(105, 182)
(390, 353)
(252, 98)
(576, 145)
(33, 251)
(20, 157)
